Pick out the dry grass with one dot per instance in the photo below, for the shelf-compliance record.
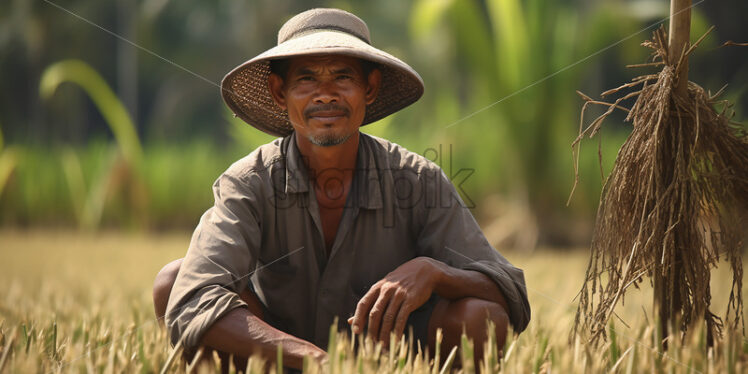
(82, 303)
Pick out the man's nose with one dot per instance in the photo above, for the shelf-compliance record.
(326, 92)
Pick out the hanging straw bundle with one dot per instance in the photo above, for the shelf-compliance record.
(675, 201)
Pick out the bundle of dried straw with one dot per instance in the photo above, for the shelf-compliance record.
(675, 201)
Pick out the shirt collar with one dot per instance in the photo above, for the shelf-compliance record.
(297, 177)
(366, 188)
(367, 183)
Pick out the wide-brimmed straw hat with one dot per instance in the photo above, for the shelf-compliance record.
(317, 31)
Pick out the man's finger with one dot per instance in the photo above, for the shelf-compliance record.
(388, 318)
(375, 316)
(362, 310)
(402, 319)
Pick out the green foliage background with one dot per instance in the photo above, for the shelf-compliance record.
(130, 131)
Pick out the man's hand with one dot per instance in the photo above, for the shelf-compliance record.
(389, 302)
(320, 357)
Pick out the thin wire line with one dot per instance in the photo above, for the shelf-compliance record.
(196, 75)
(567, 67)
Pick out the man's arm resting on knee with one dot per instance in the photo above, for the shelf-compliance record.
(453, 283)
(387, 304)
(242, 333)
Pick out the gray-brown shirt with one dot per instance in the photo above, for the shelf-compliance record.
(265, 229)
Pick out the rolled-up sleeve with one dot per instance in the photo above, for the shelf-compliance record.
(449, 233)
(221, 255)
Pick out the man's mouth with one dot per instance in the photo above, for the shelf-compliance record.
(329, 112)
(327, 115)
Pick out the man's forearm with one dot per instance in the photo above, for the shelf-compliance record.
(453, 283)
(242, 333)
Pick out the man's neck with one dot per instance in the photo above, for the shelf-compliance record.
(334, 163)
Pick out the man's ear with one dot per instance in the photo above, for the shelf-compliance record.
(374, 80)
(275, 85)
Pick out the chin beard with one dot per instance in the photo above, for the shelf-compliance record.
(329, 140)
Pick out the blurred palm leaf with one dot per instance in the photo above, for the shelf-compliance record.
(111, 108)
(88, 203)
(512, 59)
(120, 175)
(8, 161)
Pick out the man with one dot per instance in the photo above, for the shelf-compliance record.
(328, 222)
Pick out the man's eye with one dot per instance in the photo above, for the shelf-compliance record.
(345, 77)
(306, 78)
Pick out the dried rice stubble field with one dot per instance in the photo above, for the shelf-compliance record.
(72, 302)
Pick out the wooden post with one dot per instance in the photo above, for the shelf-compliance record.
(678, 39)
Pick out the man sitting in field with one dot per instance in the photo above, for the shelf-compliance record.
(328, 222)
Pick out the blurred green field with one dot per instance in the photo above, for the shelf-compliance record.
(97, 133)
(72, 302)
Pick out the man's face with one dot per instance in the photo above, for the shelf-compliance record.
(325, 96)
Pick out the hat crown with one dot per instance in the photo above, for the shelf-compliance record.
(324, 19)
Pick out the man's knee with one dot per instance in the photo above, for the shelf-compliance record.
(162, 287)
(473, 314)
(479, 312)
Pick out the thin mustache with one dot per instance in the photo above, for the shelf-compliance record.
(310, 111)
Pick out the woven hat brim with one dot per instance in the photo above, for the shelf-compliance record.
(245, 89)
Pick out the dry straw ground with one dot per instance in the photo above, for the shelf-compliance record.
(81, 303)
